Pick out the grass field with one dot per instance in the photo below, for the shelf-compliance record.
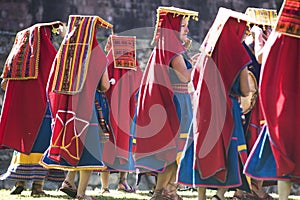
(52, 195)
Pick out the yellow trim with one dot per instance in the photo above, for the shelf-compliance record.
(242, 147)
(72, 168)
(74, 57)
(184, 135)
(134, 141)
(178, 157)
(21, 158)
(262, 122)
(176, 11)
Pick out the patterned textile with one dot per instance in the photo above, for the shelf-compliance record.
(26, 167)
(124, 51)
(289, 18)
(74, 54)
(23, 60)
(75, 74)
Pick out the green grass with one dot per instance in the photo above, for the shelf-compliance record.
(114, 194)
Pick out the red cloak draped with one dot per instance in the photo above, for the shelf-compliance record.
(157, 121)
(280, 94)
(25, 100)
(72, 113)
(213, 121)
(122, 101)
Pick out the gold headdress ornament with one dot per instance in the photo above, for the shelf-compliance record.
(289, 19)
(265, 17)
(176, 11)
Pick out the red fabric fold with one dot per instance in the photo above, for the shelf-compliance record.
(157, 121)
(72, 113)
(280, 94)
(121, 97)
(25, 102)
(213, 122)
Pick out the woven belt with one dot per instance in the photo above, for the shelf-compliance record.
(180, 87)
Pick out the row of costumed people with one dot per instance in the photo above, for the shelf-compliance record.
(187, 125)
(58, 100)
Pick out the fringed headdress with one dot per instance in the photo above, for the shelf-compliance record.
(176, 12)
(262, 16)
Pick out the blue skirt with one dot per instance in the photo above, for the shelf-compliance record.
(188, 175)
(261, 163)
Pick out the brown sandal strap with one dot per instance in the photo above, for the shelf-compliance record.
(217, 197)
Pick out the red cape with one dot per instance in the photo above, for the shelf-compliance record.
(280, 94)
(157, 122)
(122, 102)
(72, 113)
(25, 102)
(213, 121)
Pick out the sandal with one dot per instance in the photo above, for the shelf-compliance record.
(243, 196)
(216, 197)
(68, 189)
(123, 186)
(85, 197)
(158, 195)
(266, 196)
(37, 189)
(105, 191)
(18, 188)
(171, 192)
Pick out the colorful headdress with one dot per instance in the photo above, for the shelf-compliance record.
(22, 62)
(289, 18)
(176, 12)
(265, 17)
(74, 54)
(215, 31)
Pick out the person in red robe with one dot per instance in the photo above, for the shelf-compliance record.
(125, 75)
(211, 158)
(279, 93)
(164, 105)
(79, 68)
(25, 123)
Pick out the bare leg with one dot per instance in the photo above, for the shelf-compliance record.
(70, 178)
(104, 182)
(201, 193)
(68, 185)
(37, 188)
(221, 193)
(83, 182)
(123, 176)
(257, 188)
(164, 178)
(284, 189)
(162, 181)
